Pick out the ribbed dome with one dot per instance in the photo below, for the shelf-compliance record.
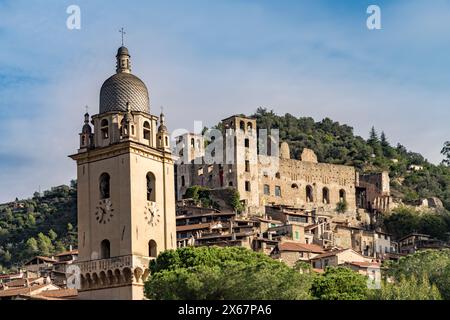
(122, 88)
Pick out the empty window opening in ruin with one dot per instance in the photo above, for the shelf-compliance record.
(277, 191)
(309, 194)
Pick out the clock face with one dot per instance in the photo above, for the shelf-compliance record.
(151, 214)
(104, 212)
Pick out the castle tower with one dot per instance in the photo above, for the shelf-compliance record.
(241, 158)
(126, 205)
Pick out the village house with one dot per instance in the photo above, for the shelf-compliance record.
(291, 252)
(337, 258)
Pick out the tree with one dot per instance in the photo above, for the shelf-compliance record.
(342, 206)
(433, 263)
(32, 246)
(45, 245)
(407, 289)
(446, 153)
(339, 283)
(223, 274)
(52, 235)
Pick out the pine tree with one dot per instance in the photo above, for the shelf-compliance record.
(446, 153)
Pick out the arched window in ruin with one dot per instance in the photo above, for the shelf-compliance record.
(104, 129)
(147, 130)
(183, 181)
(151, 187)
(242, 125)
(342, 196)
(247, 143)
(104, 186)
(192, 143)
(152, 249)
(326, 196)
(309, 194)
(249, 127)
(105, 249)
(294, 186)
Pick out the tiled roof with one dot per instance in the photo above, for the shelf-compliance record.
(73, 252)
(364, 264)
(62, 293)
(300, 247)
(19, 291)
(329, 254)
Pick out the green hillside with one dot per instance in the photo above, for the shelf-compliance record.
(43, 225)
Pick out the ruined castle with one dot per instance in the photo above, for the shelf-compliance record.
(274, 178)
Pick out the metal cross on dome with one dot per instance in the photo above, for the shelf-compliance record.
(122, 31)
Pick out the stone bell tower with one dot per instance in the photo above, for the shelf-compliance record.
(126, 201)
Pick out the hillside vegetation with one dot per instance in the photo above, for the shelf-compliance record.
(336, 143)
(43, 225)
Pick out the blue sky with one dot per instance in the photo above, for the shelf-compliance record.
(204, 60)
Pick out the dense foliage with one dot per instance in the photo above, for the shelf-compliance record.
(406, 289)
(207, 198)
(223, 274)
(336, 143)
(405, 220)
(44, 225)
(434, 264)
(338, 283)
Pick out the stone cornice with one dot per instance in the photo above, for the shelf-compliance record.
(122, 148)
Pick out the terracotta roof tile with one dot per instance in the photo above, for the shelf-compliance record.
(300, 247)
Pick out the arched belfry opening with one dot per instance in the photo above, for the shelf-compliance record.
(152, 249)
(105, 249)
(105, 186)
(151, 187)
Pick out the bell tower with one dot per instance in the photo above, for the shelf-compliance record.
(126, 199)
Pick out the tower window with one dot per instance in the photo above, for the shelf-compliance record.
(146, 131)
(151, 187)
(342, 197)
(247, 166)
(326, 196)
(104, 128)
(277, 191)
(242, 125)
(152, 249)
(247, 143)
(230, 183)
(309, 194)
(267, 190)
(104, 186)
(183, 181)
(247, 186)
(192, 143)
(167, 141)
(105, 249)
